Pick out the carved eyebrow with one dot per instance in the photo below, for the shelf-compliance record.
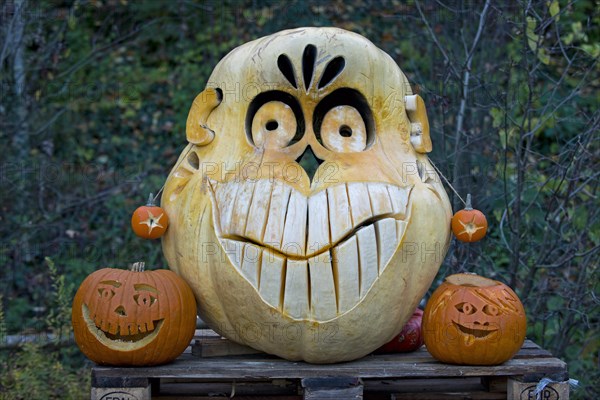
(287, 69)
(111, 283)
(332, 70)
(308, 64)
(143, 286)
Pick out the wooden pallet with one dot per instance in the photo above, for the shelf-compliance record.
(214, 367)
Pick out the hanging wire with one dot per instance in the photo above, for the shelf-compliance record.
(447, 182)
(176, 165)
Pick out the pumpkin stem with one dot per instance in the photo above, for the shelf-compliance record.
(468, 205)
(150, 202)
(138, 266)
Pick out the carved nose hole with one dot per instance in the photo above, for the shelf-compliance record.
(309, 162)
(272, 125)
(121, 311)
(345, 131)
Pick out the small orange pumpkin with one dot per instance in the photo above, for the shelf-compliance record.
(149, 221)
(133, 317)
(468, 224)
(473, 320)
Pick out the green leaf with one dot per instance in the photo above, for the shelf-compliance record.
(497, 117)
(532, 38)
(504, 138)
(554, 9)
(532, 41)
(543, 56)
(592, 49)
(71, 22)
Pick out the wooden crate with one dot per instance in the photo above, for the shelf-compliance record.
(213, 367)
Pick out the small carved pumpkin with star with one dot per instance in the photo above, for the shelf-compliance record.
(149, 221)
(469, 224)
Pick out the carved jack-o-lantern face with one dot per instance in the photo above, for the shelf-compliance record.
(473, 320)
(133, 317)
(124, 312)
(476, 316)
(321, 261)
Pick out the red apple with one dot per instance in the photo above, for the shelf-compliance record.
(409, 339)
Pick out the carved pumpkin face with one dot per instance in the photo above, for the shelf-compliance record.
(322, 265)
(473, 320)
(133, 318)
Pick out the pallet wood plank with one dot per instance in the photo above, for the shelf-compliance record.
(518, 390)
(293, 397)
(105, 393)
(419, 385)
(335, 388)
(449, 396)
(264, 366)
(494, 383)
(218, 347)
(210, 370)
(184, 388)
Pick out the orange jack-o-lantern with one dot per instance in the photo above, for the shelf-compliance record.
(473, 320)
(149, 221)
(133, 317)
(469, 224)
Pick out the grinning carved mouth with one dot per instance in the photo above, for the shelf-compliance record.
(310, 257)
(479, 332)
(118, 341)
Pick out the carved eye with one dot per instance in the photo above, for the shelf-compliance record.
(144, 299)
(343, 122)
(466, 308)
(106, 293)
(274, 125)
(343, 130)
(491, 310)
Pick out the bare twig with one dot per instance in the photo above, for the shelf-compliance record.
(436, 41)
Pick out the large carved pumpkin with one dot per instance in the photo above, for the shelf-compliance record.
(133, 317)
(473, 320)
(324, 266)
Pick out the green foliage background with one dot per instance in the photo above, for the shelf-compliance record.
(97, 119)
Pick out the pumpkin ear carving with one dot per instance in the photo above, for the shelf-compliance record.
(196, 130)
(419, 124)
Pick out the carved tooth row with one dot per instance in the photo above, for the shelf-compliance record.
(274, 214)
(124, 328)
(326, 285)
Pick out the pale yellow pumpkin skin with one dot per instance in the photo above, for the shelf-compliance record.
(375, 215)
